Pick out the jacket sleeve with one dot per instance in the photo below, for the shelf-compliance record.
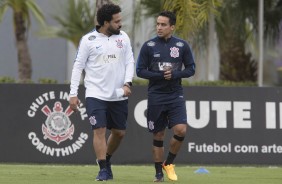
(143, 64)
(78, 66)
(129, 71)
(189, 64)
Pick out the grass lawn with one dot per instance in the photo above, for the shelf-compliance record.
(132, 174)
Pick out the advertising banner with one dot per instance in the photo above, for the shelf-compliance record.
(226, 125)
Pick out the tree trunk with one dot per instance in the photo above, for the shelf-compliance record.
(235, 64)
(24, 60)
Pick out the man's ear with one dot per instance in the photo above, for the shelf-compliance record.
(172, 27)
(106, 23)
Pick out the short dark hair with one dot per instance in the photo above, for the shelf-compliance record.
(106, 12)
(170, 15)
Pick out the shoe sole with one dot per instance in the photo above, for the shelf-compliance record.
(100, 180)
(159, 180)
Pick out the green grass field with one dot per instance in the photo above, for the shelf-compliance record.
(79, 174)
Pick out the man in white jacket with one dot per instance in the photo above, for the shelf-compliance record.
(106, 56)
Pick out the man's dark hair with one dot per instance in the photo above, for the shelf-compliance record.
(106, 12)
(170, 15)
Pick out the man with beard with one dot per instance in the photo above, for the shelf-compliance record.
(107, 58)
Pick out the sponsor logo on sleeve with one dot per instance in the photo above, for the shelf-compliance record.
(151, 44)
(180, 44)
(91, 38)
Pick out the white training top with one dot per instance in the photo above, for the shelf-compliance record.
(108, 63)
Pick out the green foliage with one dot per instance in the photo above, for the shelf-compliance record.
(75, 20)
(237, 24)
(232, 16)
(191, 15)
(25, 7)
(224, 83)
(10, 80)
(7, 80)
(140, 82)
(21, 11)
(47, 81)
(26, 81)
(184, 82)
(143, 82)
(235, 64)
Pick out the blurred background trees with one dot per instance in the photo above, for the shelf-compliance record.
(236, 21)
(236, 25)
(225, 28)
(77, 19)
(22, 10)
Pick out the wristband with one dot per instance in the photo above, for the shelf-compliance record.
(128, 84)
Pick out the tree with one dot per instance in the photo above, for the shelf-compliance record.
(232, 19)
(21, 21)
(238, 22)
(195, 22)
(235, 64)
(78, 18)
(193, 18)
(75, 20)
(191, 15)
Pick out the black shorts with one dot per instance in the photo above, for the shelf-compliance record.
(166, 115)
(110, 114)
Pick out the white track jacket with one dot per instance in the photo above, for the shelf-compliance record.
(108, 63)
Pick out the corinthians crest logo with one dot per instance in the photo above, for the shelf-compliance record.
(119, 43)
(58, 125)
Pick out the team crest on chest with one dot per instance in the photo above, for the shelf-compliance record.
(119, 43)
(174, 52)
